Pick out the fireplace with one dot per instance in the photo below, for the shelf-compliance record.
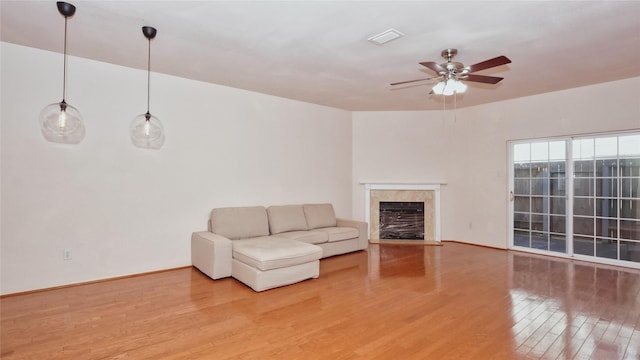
(403, 212)
(401, 220)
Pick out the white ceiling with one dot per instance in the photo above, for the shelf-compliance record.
(317, 51)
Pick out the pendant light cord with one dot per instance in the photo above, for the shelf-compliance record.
(64, 70)
(148, 75)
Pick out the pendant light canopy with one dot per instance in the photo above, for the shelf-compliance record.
(146, 130)
(61, 122)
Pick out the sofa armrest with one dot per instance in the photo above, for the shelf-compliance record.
(211, 254)
(363, 239)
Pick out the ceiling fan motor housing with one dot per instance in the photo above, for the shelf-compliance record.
(453, 68)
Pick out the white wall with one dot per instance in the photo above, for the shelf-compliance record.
(124, 210)
(470, 151)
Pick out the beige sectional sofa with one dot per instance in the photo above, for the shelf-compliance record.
(270, 247)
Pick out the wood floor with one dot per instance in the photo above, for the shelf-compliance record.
(392, 302)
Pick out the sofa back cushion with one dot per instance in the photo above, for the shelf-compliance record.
(319, 215)
(283, 218)
(240, 222)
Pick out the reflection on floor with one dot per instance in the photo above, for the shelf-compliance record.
(603, 248)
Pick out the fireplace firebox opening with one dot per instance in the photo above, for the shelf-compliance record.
(401, 220)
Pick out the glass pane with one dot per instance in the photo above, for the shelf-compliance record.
(630, 251)
(521, 170)
(607, 248)
(582, 148)
(583, 226)
(521, 186)
(583, 187)
(607, 187)
(540, 151)
(537, 205)
(607, 227)
(539, 187)
(539, 169)
(521, 152)
(630, 209)
(558, 224)
(557, 150)
(630, 187)
(557, 205)
(557, 168)
(630, 229)
(538, 223)
(583, 245)
(521, 203)
(607, 168)
(583, 206)
(521, 238)
(557, 243)
(607, 207)
(583, 168)
(540, 241)
(521, 221)
(557, 186)
(606, 146)
(629, 145)
(630, 167)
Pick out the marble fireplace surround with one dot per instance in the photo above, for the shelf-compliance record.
(429, 193)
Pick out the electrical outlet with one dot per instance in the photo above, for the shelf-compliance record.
(66, 254)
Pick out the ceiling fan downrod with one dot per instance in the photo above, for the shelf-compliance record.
(449, 54)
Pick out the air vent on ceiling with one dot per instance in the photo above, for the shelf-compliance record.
(385, 37)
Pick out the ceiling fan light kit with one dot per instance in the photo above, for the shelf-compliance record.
(449, 87)
(452, 74)
(61, 122)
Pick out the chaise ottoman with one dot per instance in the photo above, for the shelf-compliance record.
(267, 262)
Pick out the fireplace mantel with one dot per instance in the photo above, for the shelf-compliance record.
(431, 188)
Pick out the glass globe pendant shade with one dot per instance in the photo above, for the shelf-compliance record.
(62, 123)
(147, 132)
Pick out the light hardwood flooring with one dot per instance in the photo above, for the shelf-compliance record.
(391, 302)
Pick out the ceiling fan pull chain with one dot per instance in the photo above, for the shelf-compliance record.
(455, 107)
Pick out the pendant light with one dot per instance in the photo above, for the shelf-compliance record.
(146, 130)
(61, 122)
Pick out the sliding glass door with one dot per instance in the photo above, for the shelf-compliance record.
(539, 195)
(593, 213)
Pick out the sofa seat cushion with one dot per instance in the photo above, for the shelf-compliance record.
(337, 233)
(270, 252)
(310, 237)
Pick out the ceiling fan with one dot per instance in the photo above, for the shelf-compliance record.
(452, 73)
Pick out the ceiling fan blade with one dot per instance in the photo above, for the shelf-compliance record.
(482, 79)
(433, 66)
(410, 81)
(496, 61)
